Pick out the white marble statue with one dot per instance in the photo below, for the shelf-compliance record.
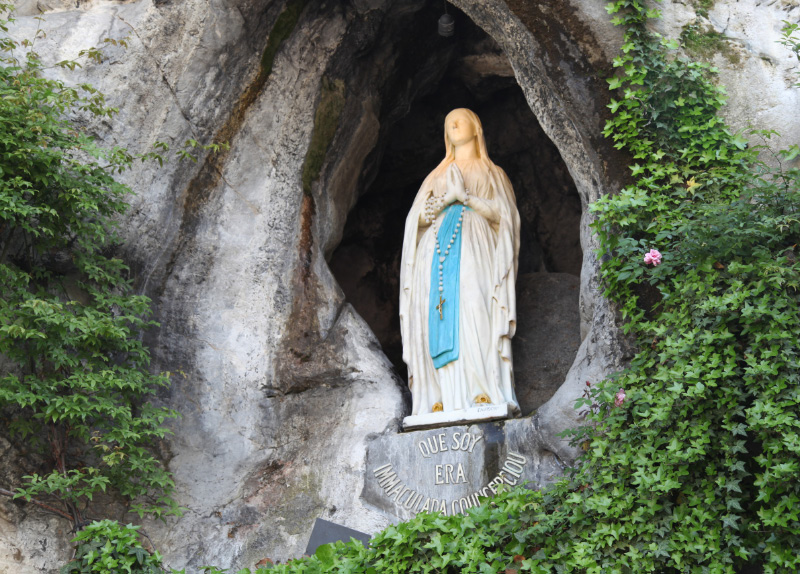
(459, 266)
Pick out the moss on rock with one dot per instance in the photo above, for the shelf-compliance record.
(283, 27)
(704, 42)
(326, 120)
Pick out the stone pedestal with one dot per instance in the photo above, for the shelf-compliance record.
(472, 415)
(451, 469)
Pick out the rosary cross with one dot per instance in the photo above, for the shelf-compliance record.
(440, 306)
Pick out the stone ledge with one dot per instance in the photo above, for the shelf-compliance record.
(480, 414)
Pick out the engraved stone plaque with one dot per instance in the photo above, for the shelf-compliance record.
(449, 470)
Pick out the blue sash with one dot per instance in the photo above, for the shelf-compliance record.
(443, 327)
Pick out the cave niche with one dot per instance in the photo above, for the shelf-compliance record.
(467, 70)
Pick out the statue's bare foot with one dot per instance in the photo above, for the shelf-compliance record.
(483, 399)
(437, 408)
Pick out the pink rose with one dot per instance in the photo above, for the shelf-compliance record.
(619, 398)
(653, 257)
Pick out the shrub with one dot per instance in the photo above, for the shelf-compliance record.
(75, 380)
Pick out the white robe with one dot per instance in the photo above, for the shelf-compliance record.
(487, 304)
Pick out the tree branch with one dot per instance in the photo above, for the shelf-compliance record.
(47, 507)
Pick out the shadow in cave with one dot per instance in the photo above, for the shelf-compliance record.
(476, 75)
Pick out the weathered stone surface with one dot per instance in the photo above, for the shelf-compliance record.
(548, 335)
(529, 437)
(32, 542)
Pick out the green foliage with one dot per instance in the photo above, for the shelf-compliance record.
(697, 461)
(75, 379)
(193, 144)
(106, 547)
(489, 539)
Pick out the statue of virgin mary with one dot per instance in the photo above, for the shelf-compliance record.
(457, 278)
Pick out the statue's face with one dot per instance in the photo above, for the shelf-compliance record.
(460, 129)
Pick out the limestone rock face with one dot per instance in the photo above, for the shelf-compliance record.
(281, 384)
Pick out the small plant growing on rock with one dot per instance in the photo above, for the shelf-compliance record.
(790, 37)
(107, 547)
